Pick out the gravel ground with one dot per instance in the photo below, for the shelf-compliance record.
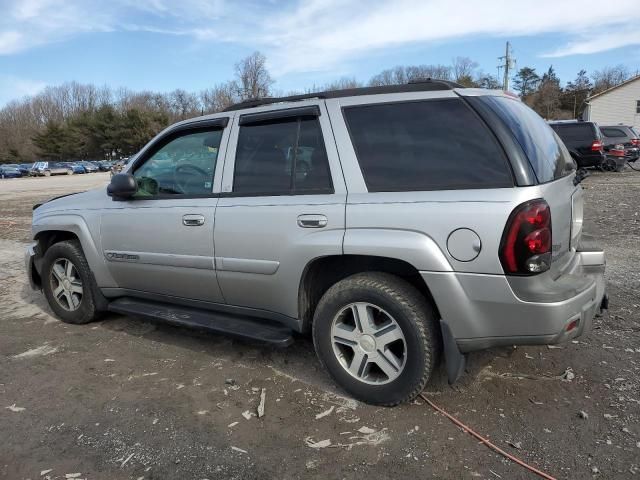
(122, 398)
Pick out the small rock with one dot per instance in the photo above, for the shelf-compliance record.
(595, 470)
(568, 375)
(516, 445)
(584, 415)
(72, 475)
(247, 414)
(546, 430)
(44, 472)
(608, 416)
(231, 425)
(229, 381)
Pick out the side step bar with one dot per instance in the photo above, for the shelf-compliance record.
(217, 322)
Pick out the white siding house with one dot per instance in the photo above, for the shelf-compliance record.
(620, 104)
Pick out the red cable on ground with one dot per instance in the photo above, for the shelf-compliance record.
(487, 442)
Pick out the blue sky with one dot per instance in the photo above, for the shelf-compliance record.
(161, 45)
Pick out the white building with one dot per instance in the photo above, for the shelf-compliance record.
(618, 105)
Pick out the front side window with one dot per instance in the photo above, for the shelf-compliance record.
(282, 157)
(425, 145)
(184, 165)
(637, 106)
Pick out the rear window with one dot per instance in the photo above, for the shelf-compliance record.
(425, 145)
(575, 131)
(547, 155)
(612, 132)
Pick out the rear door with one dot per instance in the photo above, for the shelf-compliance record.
(282, 205)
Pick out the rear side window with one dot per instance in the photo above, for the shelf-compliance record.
(425, 145)
(547, 155)
(282, 157)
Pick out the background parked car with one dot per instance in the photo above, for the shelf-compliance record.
(613, 135)
(7, 171)
(45, 169)
(90, 167)
(583, 140)
(23, 170)
(75, 167)
(104, 166)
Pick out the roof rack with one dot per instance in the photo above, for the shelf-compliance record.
(418, 85)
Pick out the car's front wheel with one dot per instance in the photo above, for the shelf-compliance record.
(67, 283)
(377, 336)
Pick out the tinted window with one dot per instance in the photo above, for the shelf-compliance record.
(284, 156)
(427, 145)
(575, 131)
(182, 166)
(612, 132)
(547, 154)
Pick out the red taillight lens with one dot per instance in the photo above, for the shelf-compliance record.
(596, 146)
(525, 248)
(617, 151)
(635, 142)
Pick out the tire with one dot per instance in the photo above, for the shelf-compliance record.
(47, 173)
(386, 299)
(83, 308)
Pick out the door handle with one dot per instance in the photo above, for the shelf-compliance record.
(312, 221)
(193, 220)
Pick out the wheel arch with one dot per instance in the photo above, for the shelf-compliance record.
(49, 230)
(323, 272)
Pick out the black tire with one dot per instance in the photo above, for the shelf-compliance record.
(412, 312)
(72, 251)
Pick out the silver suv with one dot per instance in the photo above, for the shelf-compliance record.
(392, 224)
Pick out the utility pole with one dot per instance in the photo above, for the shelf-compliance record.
(508, 63)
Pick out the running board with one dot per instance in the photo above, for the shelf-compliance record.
(244, 327)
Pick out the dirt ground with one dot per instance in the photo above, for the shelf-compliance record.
(126, 399)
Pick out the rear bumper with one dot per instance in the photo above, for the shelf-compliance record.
(483, 311)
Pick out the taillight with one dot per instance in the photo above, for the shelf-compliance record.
(596, 146)
(617, 151)
(525, 248)
(635, 142)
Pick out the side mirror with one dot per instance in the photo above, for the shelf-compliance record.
(122, 186)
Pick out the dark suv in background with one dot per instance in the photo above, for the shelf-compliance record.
(583, 140)
(623, 135)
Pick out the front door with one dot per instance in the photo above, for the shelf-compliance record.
(161, 241)
(282, 205)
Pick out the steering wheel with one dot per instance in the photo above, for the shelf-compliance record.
(194, 174)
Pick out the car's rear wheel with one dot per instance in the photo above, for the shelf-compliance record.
(377, 336)
(68, 284)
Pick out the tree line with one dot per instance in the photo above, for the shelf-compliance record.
(546, 96)
(76, 121)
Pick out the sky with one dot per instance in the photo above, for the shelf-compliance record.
(162, 45)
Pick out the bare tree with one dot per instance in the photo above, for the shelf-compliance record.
(609, 77)
(463, 71)
(219, 97)
(253, 78)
